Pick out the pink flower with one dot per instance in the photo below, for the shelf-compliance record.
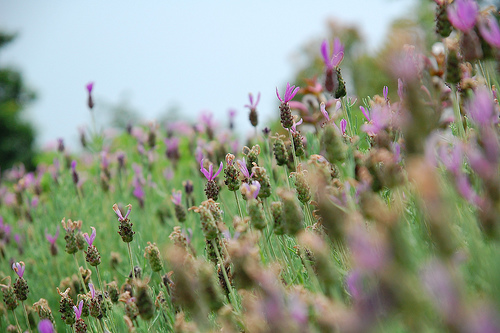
(122, 218)
(52, 239)
(176, 197)
(251, 191)
(45, 326)
(19, 267)
(78, 310)
(252, 105)
(209, 173)
(337, 55)
(490, 31)
(90, 86)
(343, 126)
(462, 14)
(242, 165)
(290, 93)
(90, 239)
(92, 290)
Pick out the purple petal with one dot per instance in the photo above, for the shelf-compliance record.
(45, 326)
(203, 170)
(343, 126)
(92, 237)
(365, 113)
(278, 94)
(258, 99)
(325, 53)
(87, 238)
(386, 92)
(218, 171)
(293, 93)
(250, 97)
(90, 86)
(490, 31)
(211, 171)
(92, 290)
(323, 110)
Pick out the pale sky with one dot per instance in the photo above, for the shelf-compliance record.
(197, 55)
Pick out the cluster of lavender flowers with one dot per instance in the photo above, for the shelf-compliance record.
(380, 216)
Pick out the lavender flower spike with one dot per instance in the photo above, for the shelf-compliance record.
(290, 93)
(19, 267)
(462, 14)
(122, 218)
(209, 173)
(90, 239)
(78, 310)
(337, 55)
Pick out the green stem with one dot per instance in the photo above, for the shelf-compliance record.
(238, 204)
(458, 117)
(79, 274)
(26, 316)
(229, 286)
(17, 322)
(293, 150)
(99, 278)
(131, 262)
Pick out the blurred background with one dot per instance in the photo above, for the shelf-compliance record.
(170, 60)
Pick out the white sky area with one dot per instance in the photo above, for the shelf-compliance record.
(196, 55)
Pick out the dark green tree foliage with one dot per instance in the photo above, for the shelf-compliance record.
(16, 135)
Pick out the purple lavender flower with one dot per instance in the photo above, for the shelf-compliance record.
(52, 239)
(45, 326)
(78, 310)
(90, 101)
(172, 145)
(290, 93)
(209, 173)
(366, 113)
(176, 197)
(337, 55)
(482, 109)
(89, 87)
(250, 191)
(293, 129)
(90, 239)
(462, 14)
(139, 194)
(122, 218)
(490, 31)
(19, 267)
(343, 126)
(252, 105)
(380, 119)
(92, 290)
(242, 165)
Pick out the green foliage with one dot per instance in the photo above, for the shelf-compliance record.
(16, 134)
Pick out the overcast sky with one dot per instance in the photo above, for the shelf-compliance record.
(197, 55)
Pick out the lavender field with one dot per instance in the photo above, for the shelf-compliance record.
(346, 213)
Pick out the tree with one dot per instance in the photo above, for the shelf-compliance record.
(16, 135)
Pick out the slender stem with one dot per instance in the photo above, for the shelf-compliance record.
(99, 278)
(131, 262)
(17, 322)
(458, 117)
(238, 204)
(79, 274)
(26, 316)
(229, 286)
(293, 149)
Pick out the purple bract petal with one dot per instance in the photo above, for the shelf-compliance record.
(45, 326)
(89, 86)
(462, 14)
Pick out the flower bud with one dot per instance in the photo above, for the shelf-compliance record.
(152, 253)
